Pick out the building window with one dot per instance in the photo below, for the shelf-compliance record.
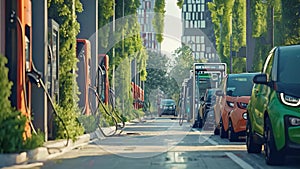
(188, 39)
(197, 39)
(201, 55)
(197, 55)
(201, 39)
(190, 8)
(187, 24)
(198, 47)
(203, 1)
(189, 1)
(203, 24)
(201, 15)
(198, 9)
(202, 8)
(202, 47)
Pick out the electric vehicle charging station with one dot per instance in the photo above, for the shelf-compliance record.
(205, 76)
(18, 50)
(83, 52)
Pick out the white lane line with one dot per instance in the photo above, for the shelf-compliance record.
(205, 138)
(239, 161)
(195, 130)
(210, 140)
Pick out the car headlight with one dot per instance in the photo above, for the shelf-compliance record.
(244, 116)
(294, 121)
(289, 100)
(242, 105)
(230, 104)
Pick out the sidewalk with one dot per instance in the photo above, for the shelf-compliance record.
(50, 150)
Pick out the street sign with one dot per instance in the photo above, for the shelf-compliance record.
(210, 67)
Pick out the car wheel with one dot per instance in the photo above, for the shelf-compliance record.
(217, 131)
(223, 133)
(272, 155)
(252, 147)
(232, 136)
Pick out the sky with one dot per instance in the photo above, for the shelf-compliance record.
(172, 27)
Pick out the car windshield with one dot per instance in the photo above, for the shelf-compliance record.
(209, 94)
(167, 102)
(289, 68)
(240, 85)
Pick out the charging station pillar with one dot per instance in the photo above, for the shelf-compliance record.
(89, 31)
(40, 60)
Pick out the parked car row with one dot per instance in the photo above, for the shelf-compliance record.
(232, 101)
(262, 107)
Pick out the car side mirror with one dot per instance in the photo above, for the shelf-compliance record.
(260, 79)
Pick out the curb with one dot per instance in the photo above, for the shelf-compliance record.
(50, 150)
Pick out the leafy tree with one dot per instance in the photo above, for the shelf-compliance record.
(183, 63)
(64, 12)
(157, 73)
(106, 11)
(290, 22)
(158, 20)
(180, 3)
(130, 47)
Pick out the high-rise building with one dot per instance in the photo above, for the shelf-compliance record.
(198, 30)
(145, 17)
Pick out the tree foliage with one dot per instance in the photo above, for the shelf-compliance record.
(286, 26)
(64, 12)
(106, 11)
(180, 3)
(158, 78)
(183, 63)
(158, 20)
(12, 122)
(229, 20)
(129, 47)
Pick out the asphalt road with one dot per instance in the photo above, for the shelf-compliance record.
(161, 143)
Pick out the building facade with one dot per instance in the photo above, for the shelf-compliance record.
(198, 30)
(145, 17)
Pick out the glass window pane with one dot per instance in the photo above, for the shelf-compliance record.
(202, 39)
(201, 55)
(202, 8)
(202, 47)
(203, 24)
(198, 47)
(197, 39)
(190, 8)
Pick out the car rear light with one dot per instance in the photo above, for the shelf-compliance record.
(244, 116)
(242, 105)
(230, 104)
(294, 121)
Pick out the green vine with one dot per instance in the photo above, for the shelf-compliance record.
(64, 12)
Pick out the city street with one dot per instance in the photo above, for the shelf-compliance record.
(162, 143)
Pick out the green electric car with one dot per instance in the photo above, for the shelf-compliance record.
(274, 107)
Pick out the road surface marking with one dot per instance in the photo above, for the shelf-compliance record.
(239, 161)
(205, 138)
(210, 140)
